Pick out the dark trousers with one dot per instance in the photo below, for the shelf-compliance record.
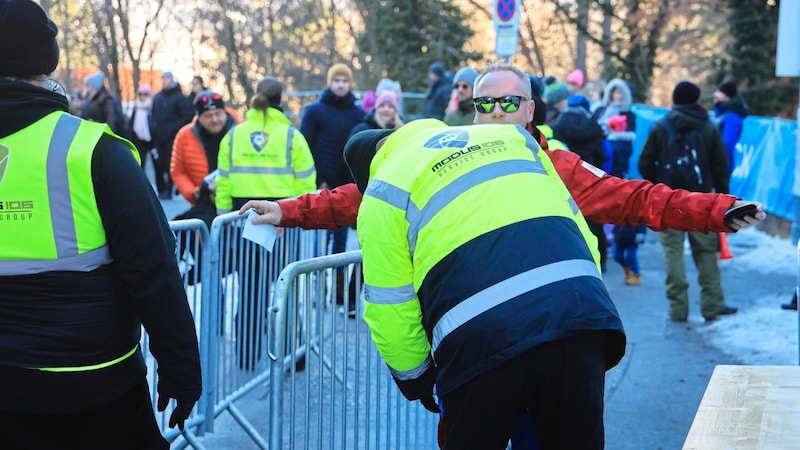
(125, 423)
(602, 245)
(161, 166)
(561, 383)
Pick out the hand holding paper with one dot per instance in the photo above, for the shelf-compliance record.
(263, 234)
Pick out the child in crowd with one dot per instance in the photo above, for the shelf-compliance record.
(626, 245)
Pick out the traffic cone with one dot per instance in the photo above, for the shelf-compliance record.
(724, 250)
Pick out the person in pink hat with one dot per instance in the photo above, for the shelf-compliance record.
(575, 80)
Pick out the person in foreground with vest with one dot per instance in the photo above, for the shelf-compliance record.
(493, 308)
(86, 259)
(703, 168)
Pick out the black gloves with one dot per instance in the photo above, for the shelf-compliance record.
(420, 388)
(430, 404)
(179, 414)
(185, 395)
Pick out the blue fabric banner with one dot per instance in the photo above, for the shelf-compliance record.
(765, 159)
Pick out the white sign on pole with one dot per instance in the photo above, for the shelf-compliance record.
(787, 59)
(506, 25)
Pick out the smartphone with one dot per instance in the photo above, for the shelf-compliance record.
(740, 212)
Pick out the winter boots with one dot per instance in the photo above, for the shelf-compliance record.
(632, 279)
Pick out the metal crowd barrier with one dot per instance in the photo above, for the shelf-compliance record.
(331, 389)
(325, 386)
(241, 275)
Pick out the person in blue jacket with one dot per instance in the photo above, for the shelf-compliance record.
(729, 114)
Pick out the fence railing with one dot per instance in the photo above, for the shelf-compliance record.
(326, 384)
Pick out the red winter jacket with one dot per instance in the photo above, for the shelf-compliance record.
(601, 198)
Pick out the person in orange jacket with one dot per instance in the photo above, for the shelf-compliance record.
(194, 152)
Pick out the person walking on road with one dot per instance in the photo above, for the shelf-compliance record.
(97, 263)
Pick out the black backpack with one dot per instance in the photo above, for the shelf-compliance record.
(681, 161)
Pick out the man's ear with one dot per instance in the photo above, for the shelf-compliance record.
(531, 109)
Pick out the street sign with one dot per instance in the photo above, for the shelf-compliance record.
(506, 25)
(787, 59)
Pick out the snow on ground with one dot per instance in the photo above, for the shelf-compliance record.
(761, 334)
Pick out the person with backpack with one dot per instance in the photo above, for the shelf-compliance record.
(684, 150)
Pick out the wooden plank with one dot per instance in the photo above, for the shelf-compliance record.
(748, 407)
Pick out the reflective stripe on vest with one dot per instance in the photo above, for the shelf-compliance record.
(62, 167)
(417, 218)
(286, 170)
(93, 366)
(509, 289)
(414, 373)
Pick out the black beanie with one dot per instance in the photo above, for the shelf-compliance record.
(685, 93)
(729, 88)
(359, 152)
(27, 39)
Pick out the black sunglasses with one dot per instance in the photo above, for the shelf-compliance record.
(508, 103)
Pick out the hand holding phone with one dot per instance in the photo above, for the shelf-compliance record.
(740, 212)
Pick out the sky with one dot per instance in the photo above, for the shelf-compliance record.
(761, 334)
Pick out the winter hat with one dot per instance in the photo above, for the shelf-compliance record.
(145, 88)
(96, 80)
(555, 92)
(168, 74)
(536, 86)
(386, 97)
(540, 111)
(465, 75)
(437, 68)
(368, 101)
(207, 101)
(387, 84)
(578, 100)
(576, 77)
(685, 93)
(729, 88)
(339, 70)
(27, 39)
(359, 152)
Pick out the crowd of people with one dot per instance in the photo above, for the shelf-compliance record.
(494, 331)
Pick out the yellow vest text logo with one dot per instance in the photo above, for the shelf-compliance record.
(16, 210)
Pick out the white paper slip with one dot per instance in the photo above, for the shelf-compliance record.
(211, 178)
(262, 234)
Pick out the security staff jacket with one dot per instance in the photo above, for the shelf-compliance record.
(265, 158)
(458, 269)
(78, 276)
